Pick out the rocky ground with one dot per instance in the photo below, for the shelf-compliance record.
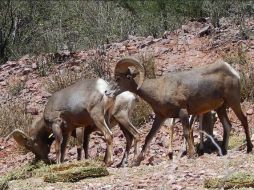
(194, 44)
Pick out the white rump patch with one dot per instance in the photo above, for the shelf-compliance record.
(126, 95)
(232, 70)
(101, 85)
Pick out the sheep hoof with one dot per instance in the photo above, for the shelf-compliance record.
(137, 161)
(122, 165)
(183, 153)
(201, 152)
(192, 155)
(224, 151)
(170, 155)
(249, 148)
(109, 163)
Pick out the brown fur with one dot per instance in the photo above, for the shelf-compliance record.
(197, 91)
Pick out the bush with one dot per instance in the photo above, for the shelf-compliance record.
(148, 62)
(15, 86)
(37, 27)
(141, 113)
(240, 60)
(13, 115)
(96, 67)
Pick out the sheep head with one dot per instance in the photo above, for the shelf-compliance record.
(38, 141)
(125, 76)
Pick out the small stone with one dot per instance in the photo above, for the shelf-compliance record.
(33, 110)
(34, 66)
(250, 111)
(122, 49)
(204, 31)
(26, 71)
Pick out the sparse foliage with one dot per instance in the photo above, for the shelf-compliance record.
(141, 113)
(37, 27)
(240, 60)
(96, 67)
(13, 115)
(148, 62)
(15, 86)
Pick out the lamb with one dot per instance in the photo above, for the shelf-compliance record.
(82, 104)
(180, 94)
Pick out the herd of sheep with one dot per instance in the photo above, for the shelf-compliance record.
(95, 104)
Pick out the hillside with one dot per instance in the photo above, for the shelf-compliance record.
(195, 43)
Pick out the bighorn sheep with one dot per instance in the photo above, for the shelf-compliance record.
(176, 95)
(79, 105)
(206, 124)
(121, 112)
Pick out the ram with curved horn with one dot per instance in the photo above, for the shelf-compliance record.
(82, 104)
(178, 94)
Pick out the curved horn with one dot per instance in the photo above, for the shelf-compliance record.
(123, 64)
(21, 138)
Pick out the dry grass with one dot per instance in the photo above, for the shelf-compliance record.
(15, 86)
(94, 68)
(13, 115)
(70, 172)
(233, 181)
(240, 61)
(141, 113)
(148, 61)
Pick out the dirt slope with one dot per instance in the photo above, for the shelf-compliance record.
(179, 50)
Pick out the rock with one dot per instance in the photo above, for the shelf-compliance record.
(205, 31)
(34, 66)
(26, 71)
(185, 28)
(118, 150)
(122, 49)
(2, 78)
(250, 111)
(32, 110)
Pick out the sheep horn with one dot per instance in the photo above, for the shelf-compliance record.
(21, 138)
(123, 64)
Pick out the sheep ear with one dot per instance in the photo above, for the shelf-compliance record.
(22, 139)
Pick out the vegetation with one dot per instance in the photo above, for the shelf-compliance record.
(96, 67)
(232, 181)
(37, 27)
(15, 86)
(239, 59)
(67, 172)
(13, 115)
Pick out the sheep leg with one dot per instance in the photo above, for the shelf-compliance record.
(80, 141)
(226, 127)
(103, 127)
(201, 127)
(87, 132)
(63, 145)
(129, 139)
(171, 133)
(125, 123)
(187, 132)
(239, 113)
(158, 121)
(192, 118)
(56, 128)
(123, 119)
